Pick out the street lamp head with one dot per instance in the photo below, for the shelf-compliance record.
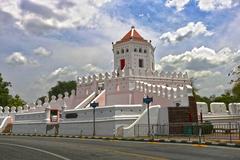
(94, 104)
(147, 100)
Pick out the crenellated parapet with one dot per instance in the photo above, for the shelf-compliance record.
(163, 91)
(5, 111)
(58, 102)
(130, 73)
(173, 94)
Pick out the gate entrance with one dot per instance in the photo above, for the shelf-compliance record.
(54, 115)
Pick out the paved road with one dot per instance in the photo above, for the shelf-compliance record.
(44, 148)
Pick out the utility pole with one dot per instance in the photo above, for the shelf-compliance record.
(94, 105)
(147, 100)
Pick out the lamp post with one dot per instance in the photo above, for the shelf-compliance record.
(147, 100)
(200, 127)
(201, 117)
(94, 105)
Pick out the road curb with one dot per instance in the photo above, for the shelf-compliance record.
(235, 145)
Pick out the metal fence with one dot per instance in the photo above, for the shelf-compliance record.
(204, 131)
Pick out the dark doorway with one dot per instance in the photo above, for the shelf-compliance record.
(54, 116)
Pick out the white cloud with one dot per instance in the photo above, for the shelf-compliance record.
(178, 4)
(202, 74)
(190, 30)
(200, 58)
(65, 4)
(54, 19)
(211, 5)
(17, 58)
(65, 73)
(44, 82)
(69, 72)
(89, 68)
(29, 7)
(209, 67)
(41, 51)
(99, 3)
(38, 16)
(62, 73)
(204, 5)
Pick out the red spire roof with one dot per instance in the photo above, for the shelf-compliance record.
(132, 34)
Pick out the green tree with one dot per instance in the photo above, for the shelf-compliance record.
(16, 101)
(225, 98)
(235, 73)
(5, 98)
(62, 87)
(41, 98)
(4, 91)
(236, 89)
(194, 88)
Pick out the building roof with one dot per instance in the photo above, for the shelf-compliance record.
(132, 35)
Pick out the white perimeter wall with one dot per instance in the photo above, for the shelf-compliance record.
(158, 115)
(32, 116)
(29, 128)
(108, 119)
(103, 128)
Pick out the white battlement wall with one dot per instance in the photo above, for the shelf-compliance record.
(108, 119)
(218, 112)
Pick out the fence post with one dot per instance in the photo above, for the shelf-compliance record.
(134, 130)
(230, 130)
(152, 132)
(138, 130)
(239, 131)
(199, 134)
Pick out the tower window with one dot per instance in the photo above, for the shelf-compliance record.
(127, 50)
(135, 49)
(122, 64)
(117, 52)
(140, 63)
(145, 51)
(140, 50)
(122, 50)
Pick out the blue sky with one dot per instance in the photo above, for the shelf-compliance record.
(45, 41)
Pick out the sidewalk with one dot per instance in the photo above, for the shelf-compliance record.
(165, 139)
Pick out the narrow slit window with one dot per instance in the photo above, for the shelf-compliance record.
(141, 63)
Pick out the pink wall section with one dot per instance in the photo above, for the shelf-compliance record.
(119, 98)
(136, 97)
(157, 100)
(101, 100)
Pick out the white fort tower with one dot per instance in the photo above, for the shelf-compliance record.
(133, 77)
(135, 53)
(119, 95)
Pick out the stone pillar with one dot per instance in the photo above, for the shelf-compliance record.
(137, 85)
(1, 110)
(6, 110)
(25, 108)
(39, 103)
(100, 77)
(13, 109)
(158, 90)
(63, 110)
(19, 109)
(47, 113)
(107, 75)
